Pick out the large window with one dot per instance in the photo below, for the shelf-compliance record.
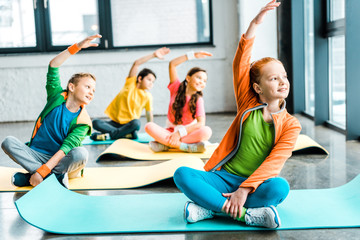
(143, 22)
(49, 25)
(309, 58)
(81, 20)
(337, 9)
(337, 81)
(17, 28)
(336, 37)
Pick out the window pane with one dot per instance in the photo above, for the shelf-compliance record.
(337, 81)
(17, 24)
(156, 22)
(72, 20)
(309, 58)
(337, 10)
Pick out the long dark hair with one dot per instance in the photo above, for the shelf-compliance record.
(180, 98)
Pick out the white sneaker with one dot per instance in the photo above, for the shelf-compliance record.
(194, 213)
(158, 147)
(198, 147)
(262, 217)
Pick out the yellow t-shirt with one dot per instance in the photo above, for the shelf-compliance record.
(129, 103)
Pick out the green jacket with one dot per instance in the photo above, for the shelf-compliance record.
(80, 127)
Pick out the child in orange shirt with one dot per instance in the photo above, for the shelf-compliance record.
(241, 178)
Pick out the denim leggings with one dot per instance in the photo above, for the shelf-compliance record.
(117, 130)
(206, 188)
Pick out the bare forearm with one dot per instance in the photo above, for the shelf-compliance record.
(64, 55)
(250, 32)
(172, 67)
(138, 62)
(149, 117)
(55, 159)
(60, 58)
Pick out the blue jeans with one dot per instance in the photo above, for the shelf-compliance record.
(206, 188)
(117, 130)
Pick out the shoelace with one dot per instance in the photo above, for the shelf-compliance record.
(258, 220)
(203, 213)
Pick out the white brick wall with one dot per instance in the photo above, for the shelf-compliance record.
(22, 77)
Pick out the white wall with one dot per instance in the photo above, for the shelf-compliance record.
(22, 77)
(265, 44)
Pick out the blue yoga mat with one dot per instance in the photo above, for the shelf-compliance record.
(55, 209)
(142, 138)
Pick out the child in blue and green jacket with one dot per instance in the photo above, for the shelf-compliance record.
(55, 144)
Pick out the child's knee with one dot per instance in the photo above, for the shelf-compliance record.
(79, 155)
(207, 132)
(136, 124)
(279, 189)
(283, 189)
(204, 133)
(182, 175)
(149, 126)
(96, 123)
(179, 175)
(7, 143)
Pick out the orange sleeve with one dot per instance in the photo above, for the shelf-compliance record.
(273, 164)
(241, 71)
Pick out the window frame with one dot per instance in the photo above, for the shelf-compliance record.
(333, 28)
(43, 32)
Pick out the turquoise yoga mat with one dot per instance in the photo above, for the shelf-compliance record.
(142, 138)
(55, 209)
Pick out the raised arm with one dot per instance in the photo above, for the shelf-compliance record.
(250, 32)
(241, 63)
(179, 60)
(159, 53)
(64, 55)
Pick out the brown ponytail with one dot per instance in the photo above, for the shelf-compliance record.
(180, 98)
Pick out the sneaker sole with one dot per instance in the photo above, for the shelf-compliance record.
(13, 180)
(277, 218)
(186, 212)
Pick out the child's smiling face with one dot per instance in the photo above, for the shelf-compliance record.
(84, 90)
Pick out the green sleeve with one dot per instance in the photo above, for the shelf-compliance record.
(75, 137)
(53, 83)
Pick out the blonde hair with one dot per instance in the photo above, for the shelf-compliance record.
(76, 78)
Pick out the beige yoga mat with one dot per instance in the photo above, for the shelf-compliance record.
(101, 178)
(307, 145)
(125, 148)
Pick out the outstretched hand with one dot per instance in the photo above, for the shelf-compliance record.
(161, 52)
(87, 41)
(270, 6)
(202, 54)
(250, 32)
